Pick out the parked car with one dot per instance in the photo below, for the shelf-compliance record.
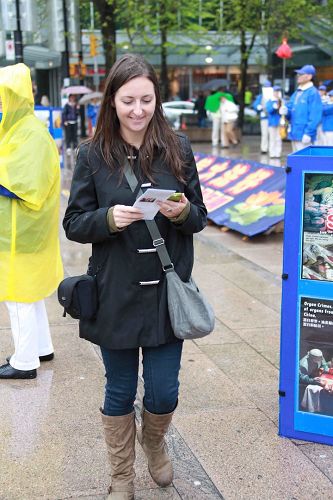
(174, 109)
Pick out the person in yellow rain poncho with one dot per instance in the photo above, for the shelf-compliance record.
(30, 261)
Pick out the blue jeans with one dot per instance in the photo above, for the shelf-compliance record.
(161, 367)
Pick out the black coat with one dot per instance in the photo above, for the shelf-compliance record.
(130, 315)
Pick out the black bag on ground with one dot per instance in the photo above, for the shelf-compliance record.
(78, 296)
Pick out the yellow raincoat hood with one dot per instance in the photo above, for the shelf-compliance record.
(30, 262)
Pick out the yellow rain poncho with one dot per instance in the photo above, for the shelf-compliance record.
(30, 261)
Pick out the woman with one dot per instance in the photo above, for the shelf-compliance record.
(29, 221)
(133, 309)
(273, 115)
(229, 115)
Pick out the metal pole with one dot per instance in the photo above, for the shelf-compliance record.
(65, 54)
(18, 35)
(283, 76)
(190, 82)
(92, 20)
(92, 27)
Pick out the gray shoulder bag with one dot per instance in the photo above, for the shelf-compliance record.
(191, 315)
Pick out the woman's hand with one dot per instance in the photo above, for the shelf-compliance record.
(172, 209)
(124, 215)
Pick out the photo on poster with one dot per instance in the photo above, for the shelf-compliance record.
(315, 365)
(318, 227)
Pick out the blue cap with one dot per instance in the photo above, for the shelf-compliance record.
(330, 93)
(322, 87)
(276, 87)
(308, 69)
(267, 83)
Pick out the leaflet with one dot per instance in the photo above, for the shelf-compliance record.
(147, 202)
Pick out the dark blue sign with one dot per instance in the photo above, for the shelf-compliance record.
(243, 195)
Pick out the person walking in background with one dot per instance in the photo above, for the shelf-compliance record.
(132, 311)
(248, 97)
(229, 115)
(259, 105)
(323, 93)
(30, 263)
(212, 106)
(199, 107)
(320, 140)
(45, 101)
(327, 120)
(70, 116)
(273, 116)
(92, 113)
(304, 109)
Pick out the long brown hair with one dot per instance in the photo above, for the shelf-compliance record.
(159, 135)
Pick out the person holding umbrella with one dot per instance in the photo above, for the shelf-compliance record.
(93, 101)
(70, 116)
(213, 105)
(199, 106)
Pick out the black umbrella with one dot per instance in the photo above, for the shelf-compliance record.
(215, 84)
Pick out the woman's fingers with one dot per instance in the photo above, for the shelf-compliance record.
(124, 215)
(172, 209)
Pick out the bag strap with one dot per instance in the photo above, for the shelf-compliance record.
(158, 241)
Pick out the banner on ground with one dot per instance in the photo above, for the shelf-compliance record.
(243, 195)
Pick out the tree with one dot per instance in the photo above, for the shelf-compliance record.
(107, 11)
(146, 20)
(250, 19)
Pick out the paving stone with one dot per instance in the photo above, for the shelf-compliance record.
(221, 335)
(237, 309)
(255, 377)
(4, 316)
(266, 341)
(271, 300)
(321, 455)
(212, 254)
(261, 339)
(266, 251)
(203, 384)
(160, 494)
(247, 279)
(245, 458)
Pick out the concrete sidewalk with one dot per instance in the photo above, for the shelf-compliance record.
(223, 439)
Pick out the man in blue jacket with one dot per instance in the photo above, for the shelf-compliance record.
(304, 110)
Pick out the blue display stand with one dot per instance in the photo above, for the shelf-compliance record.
(52, 118)
(306, 368)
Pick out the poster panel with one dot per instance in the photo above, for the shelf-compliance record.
(315, 389)
(318, 227)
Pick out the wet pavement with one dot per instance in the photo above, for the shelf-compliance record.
(223, 440)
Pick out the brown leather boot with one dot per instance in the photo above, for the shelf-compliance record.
(151, 437)
(120, 441)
